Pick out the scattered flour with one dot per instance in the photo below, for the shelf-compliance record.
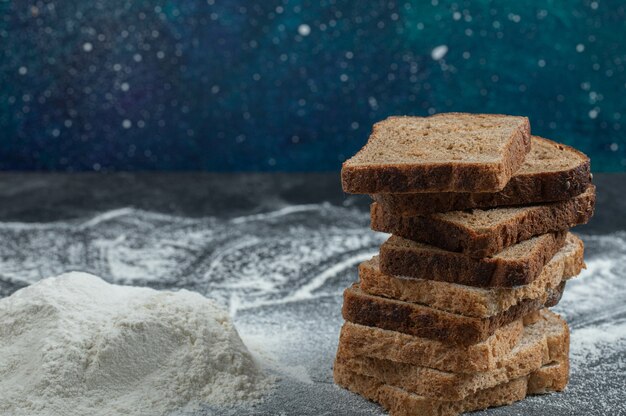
(271, 271)
(594, 306)
(591, 345)
(76, 345)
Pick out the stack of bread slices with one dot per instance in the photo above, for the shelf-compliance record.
(452, 315)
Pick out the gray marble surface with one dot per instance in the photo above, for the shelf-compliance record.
(277, 250)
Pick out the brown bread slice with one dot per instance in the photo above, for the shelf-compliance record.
(449, 152)
(543, 342)
(473, 301)
(425, 321)
(549, 378)
(551, 172)
(380, 343)
(483, 233)
(396, 346)
(518, 264)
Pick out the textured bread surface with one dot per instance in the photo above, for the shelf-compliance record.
(552, 377)
(518, 264)
(551, 172)
(380, 343)
(474, 301)
(449, 152)
(482, 233)
(399, 402)
(425, 321)
(543, 342)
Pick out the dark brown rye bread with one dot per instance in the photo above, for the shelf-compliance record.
(551, 172)
(516, 265)
(449, 152)
(424, 321)
(482, 233)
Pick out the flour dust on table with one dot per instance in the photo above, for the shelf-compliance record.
(242, 262)
(280, 275)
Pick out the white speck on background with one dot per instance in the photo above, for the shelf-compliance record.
(373, 103)
(439, 52)
(304, 30)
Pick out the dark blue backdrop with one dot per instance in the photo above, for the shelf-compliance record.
(288, 85)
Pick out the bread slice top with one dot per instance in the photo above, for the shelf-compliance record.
(542, 342)
(551, 172)
(548, 156)
(448, 152)
(469, 300)
(441, 138)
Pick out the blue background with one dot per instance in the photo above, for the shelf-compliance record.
(224, 85)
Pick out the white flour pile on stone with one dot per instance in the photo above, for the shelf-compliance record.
(76, 345)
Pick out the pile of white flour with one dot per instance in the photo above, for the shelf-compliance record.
(76, 345)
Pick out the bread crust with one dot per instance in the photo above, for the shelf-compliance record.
(448, 266)
(439, 177)
(381, 343)
(440, 231)
(522, 189)
(424, 321)
(519, 375)
(542, 343)
(470, 301)
(399, 402)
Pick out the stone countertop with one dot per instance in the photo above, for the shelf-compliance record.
(277, 250)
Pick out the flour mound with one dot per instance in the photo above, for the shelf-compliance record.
(76, 345)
